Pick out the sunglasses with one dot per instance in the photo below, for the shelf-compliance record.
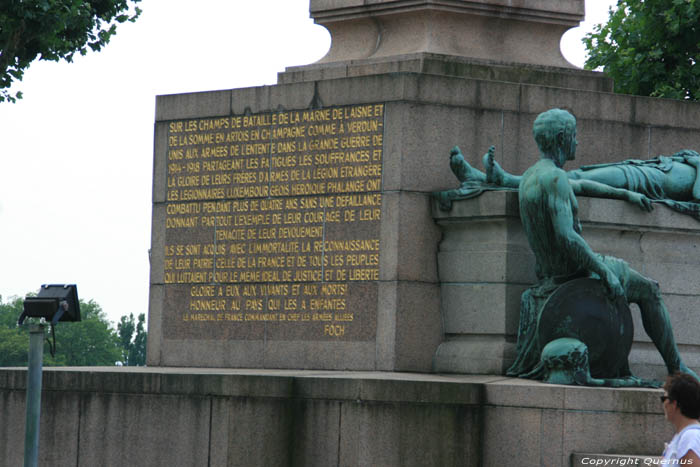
(664, 398)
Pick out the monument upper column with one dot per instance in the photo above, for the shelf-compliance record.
(503, 31)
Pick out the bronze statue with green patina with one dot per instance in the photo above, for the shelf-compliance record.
(670, 180)
(548, 210)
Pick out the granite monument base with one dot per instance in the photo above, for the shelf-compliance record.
(485, 264)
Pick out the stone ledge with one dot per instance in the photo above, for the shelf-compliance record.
(592, 211)
(447, 65)
(592, 108)
(370, 386)
(568, 12)
(336, 385)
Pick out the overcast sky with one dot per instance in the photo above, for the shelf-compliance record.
(77, 151)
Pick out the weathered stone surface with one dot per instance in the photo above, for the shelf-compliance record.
(273, 417)
(447, 65)
(530, 31)
(474, 354)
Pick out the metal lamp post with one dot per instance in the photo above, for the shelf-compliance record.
(53, 303)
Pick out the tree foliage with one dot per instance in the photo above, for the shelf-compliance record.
(132, 339)
(54, 30)
(89, 342)
(650, 48)
(93, 341)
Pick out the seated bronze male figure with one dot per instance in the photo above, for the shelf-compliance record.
(548, 211)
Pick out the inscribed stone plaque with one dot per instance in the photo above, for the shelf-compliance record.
(272, 225)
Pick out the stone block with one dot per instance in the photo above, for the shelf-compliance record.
(392, 154)
(418, 239)
(512, 433)
(351, 91)
(671, 113)
(251, 100)
(585, 105)
(602, 431)
(617, 400)
(193, 105)
(428, 132)
(386, 325)
(525, 393)
(157, 251)
(646, 362)
(178, 426)
(416, 435)
(607, 141)
(316, 433)
(320, 355)
(683, 314)
(418, 327)
(155, 325)
(625, 216)
(340, 387)
(251, 432)
(13, 411)
(474, 354)
(389, 237)
(673, 247)
(397, 388)
(160, 162)
(676, 278)
(492, 204)
(552, 426)
(216, 354)
(481, 308)
(667, 141)
(293, 96)
(487, 266)
(614, 241)
(478, 95)
(56, 446)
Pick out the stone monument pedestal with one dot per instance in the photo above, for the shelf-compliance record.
(281, 242)
(485, 264)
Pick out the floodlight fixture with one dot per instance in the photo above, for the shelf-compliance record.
(54, 303)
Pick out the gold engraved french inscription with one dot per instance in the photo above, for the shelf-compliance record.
(274, 218)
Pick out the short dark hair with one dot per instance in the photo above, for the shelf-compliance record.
(685, 390)
(548, 125)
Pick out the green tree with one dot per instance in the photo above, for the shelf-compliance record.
(54, 30)
(650, 48)
(132, 339)
(14, 341)
(89, 342)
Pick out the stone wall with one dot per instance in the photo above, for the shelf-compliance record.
(168, 417)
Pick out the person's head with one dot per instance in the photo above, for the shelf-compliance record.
(555, 134)
(682, 396)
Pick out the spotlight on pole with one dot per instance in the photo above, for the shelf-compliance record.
(52, 304)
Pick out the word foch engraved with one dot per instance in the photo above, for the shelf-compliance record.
(272, 225)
